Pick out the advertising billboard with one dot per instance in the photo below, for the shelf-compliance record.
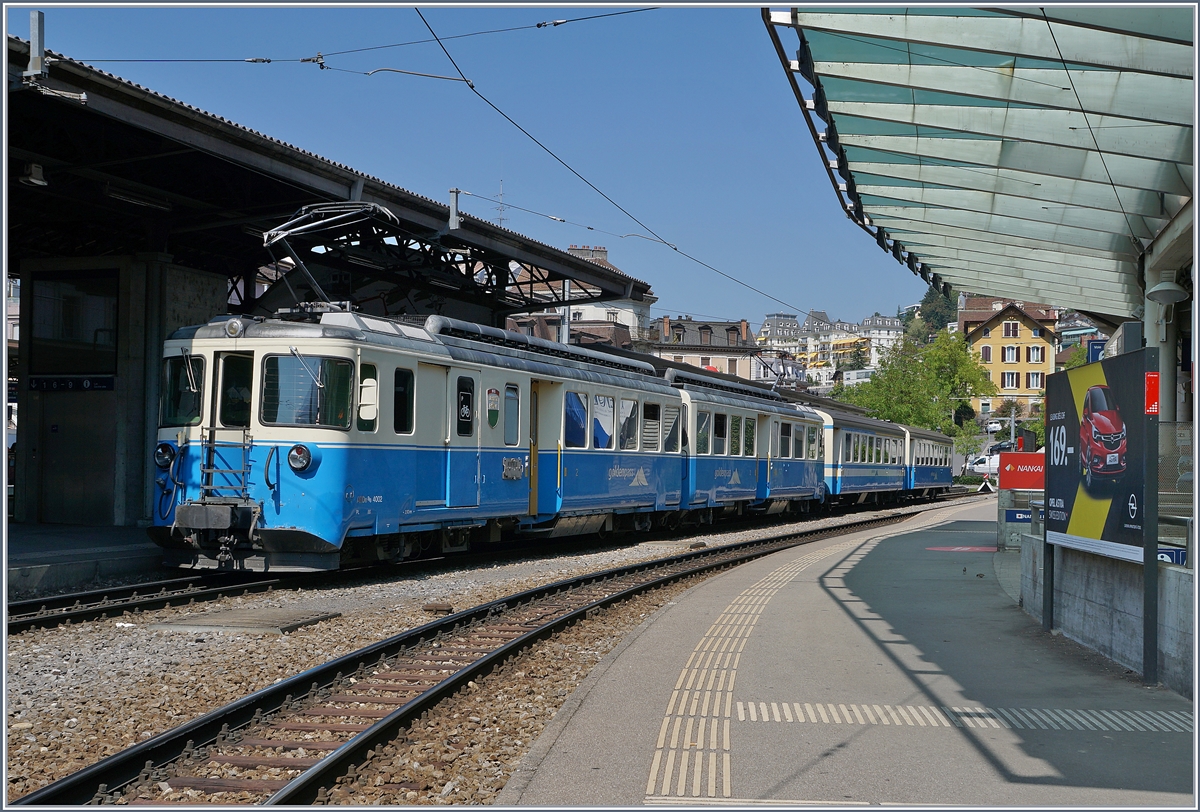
(1101, 427)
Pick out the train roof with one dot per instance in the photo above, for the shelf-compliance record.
(456, 340)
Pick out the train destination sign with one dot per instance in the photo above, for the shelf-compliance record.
(1099, 434)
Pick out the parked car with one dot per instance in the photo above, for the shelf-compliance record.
(994, 426)
(1006, 445)
(989, 464)
(1101, 437)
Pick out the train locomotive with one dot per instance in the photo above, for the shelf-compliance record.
(323, 438)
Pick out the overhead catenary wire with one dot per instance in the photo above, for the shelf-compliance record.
(268, 60)
(596, 189)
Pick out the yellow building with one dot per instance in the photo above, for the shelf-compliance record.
(1015, 344)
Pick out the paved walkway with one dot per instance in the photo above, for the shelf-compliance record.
(888, 667)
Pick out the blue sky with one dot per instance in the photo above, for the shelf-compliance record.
(682, 116)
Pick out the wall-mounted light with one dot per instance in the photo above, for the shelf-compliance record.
(1167, 292)
(33, 175)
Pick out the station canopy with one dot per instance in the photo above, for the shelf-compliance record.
(1020, 152)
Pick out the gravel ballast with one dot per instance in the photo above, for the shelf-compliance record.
(77, 694)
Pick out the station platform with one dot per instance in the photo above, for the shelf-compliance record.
(891, 667)
(45, 558)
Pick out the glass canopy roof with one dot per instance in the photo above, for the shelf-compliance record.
(1012, 151)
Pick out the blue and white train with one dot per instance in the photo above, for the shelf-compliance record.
(326, 438)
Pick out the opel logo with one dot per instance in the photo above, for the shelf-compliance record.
(1133, 506)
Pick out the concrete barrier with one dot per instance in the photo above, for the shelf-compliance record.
(1098, 602)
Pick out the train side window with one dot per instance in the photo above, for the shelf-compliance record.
(774, 448)
(602, 420)
(466, 406)
(236, 372)
(574, 420)
(735, 435)
(650, 425)
(402, 401)
(720, 430)
(703, 431)
(629, 425)
(366, 372)
(512, 414)
(846, 447)
(748, 446)
(812, 442)
(785, 440)
(671, 429)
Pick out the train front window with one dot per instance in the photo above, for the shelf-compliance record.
(748, 446)
(735, 435)
(236, 374)
(305, 390)
(812, 442)
(720, 428)
(785, 441)
(182, 393)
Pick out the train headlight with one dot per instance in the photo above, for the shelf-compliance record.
(234, 328)
(299, 458)
(164, 455)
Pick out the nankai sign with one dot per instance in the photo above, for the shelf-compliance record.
(1020, 471)
(1099, 431)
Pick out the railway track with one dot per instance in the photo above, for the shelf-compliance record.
(113, 602)
(80, 607)
(291, 742)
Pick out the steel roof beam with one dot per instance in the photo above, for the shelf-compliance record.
(1138, 96)
(968, 243)
(1067, 128)
(989, 241)
(1011, 36)
(1025, 185)
(1012, 227)
(1041, 159)
(1109, 222)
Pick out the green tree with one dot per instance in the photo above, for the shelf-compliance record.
(968, 439)
(937, 310)
(923, 385)
(856, 360)
(1077, 358)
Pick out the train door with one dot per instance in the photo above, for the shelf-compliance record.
(764, 435)
(464, 437)
(225, 460)
(430, 475)
(533, 448)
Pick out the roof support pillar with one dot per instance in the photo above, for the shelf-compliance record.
(1170, 251)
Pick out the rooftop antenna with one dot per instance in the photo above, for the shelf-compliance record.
(500, 218)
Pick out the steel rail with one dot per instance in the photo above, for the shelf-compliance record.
(93, 783)
(136, 603)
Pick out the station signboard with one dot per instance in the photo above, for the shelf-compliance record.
(1101, 428)
(1022, 471)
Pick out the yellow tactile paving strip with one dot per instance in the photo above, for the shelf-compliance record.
(692, 755)
(917, 716)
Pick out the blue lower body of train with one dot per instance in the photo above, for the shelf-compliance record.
(233, 507)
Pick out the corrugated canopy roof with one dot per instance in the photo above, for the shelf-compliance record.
(1009, 150)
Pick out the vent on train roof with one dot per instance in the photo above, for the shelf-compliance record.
(443, 326)
(678, 377)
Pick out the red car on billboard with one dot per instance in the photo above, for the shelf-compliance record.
(1101, 437)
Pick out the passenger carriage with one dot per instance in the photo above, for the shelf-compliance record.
(864, 458)
(929, 461)
(752, 449)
